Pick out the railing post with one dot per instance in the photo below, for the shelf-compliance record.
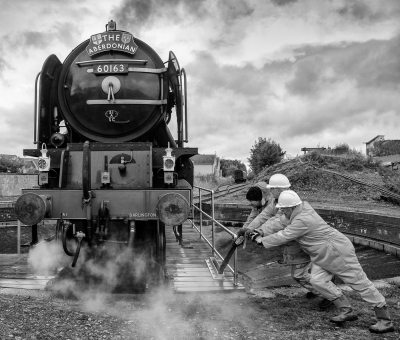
(213, 223)
(19, 238)
(193, 209)
(200, 214)
(235, 269)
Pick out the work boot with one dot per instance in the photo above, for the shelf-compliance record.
(384, 323)
(325, 304)
(346, 311)
(311, 295)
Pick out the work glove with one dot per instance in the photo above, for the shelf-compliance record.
(253, 235)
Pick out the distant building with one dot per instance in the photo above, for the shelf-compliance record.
(206, 165)
(392, 160)
(307, 150)
(371, 143)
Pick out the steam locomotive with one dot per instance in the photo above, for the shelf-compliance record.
(240, 176)
(111, 173)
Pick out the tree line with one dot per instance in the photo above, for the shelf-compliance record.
(265, 152)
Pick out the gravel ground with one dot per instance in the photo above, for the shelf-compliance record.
(162, 315)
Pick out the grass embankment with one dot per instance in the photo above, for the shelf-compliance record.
(326, 188)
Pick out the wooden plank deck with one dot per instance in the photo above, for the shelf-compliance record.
(187, 268)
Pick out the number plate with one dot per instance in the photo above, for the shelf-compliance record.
(110, 68)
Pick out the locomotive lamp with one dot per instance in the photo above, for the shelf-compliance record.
(44, 160)
(58, 139)
(111, 26)
(169, 165)
(44, 166)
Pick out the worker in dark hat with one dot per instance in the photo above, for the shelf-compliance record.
(331, 253)
(258, 202)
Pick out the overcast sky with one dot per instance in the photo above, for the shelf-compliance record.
(302, 72)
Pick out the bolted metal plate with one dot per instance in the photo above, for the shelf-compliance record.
(213, 270)
(172, 209)
(30, 208)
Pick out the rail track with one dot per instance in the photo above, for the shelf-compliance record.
(221, 191)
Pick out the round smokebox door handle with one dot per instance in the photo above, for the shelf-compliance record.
(111, 82)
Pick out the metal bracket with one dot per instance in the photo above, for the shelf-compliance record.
(213, 269)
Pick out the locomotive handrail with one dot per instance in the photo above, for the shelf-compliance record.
(234, 270)
(183, 72)
(102, 61)
(35, 123)
(147, 70)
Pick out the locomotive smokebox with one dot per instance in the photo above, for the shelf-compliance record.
(31, 208)
(113, 88)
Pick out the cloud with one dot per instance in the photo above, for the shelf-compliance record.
(282, 2)
(372, 64)
(66, 32)
(231, 10)
(336, 88)
(16, 135)
(3, 63)
(212, 76)
(332, 93)
(146, 13)
(30, 39)
(221, 22)
(368, 10)
(359, 10)
(229, 104)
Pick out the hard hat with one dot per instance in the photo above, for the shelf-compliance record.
(278, 181)
(254, 194)
(287, 199)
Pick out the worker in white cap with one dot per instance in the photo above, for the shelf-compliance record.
(271, 220)
(276, 184)
(332, 254)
